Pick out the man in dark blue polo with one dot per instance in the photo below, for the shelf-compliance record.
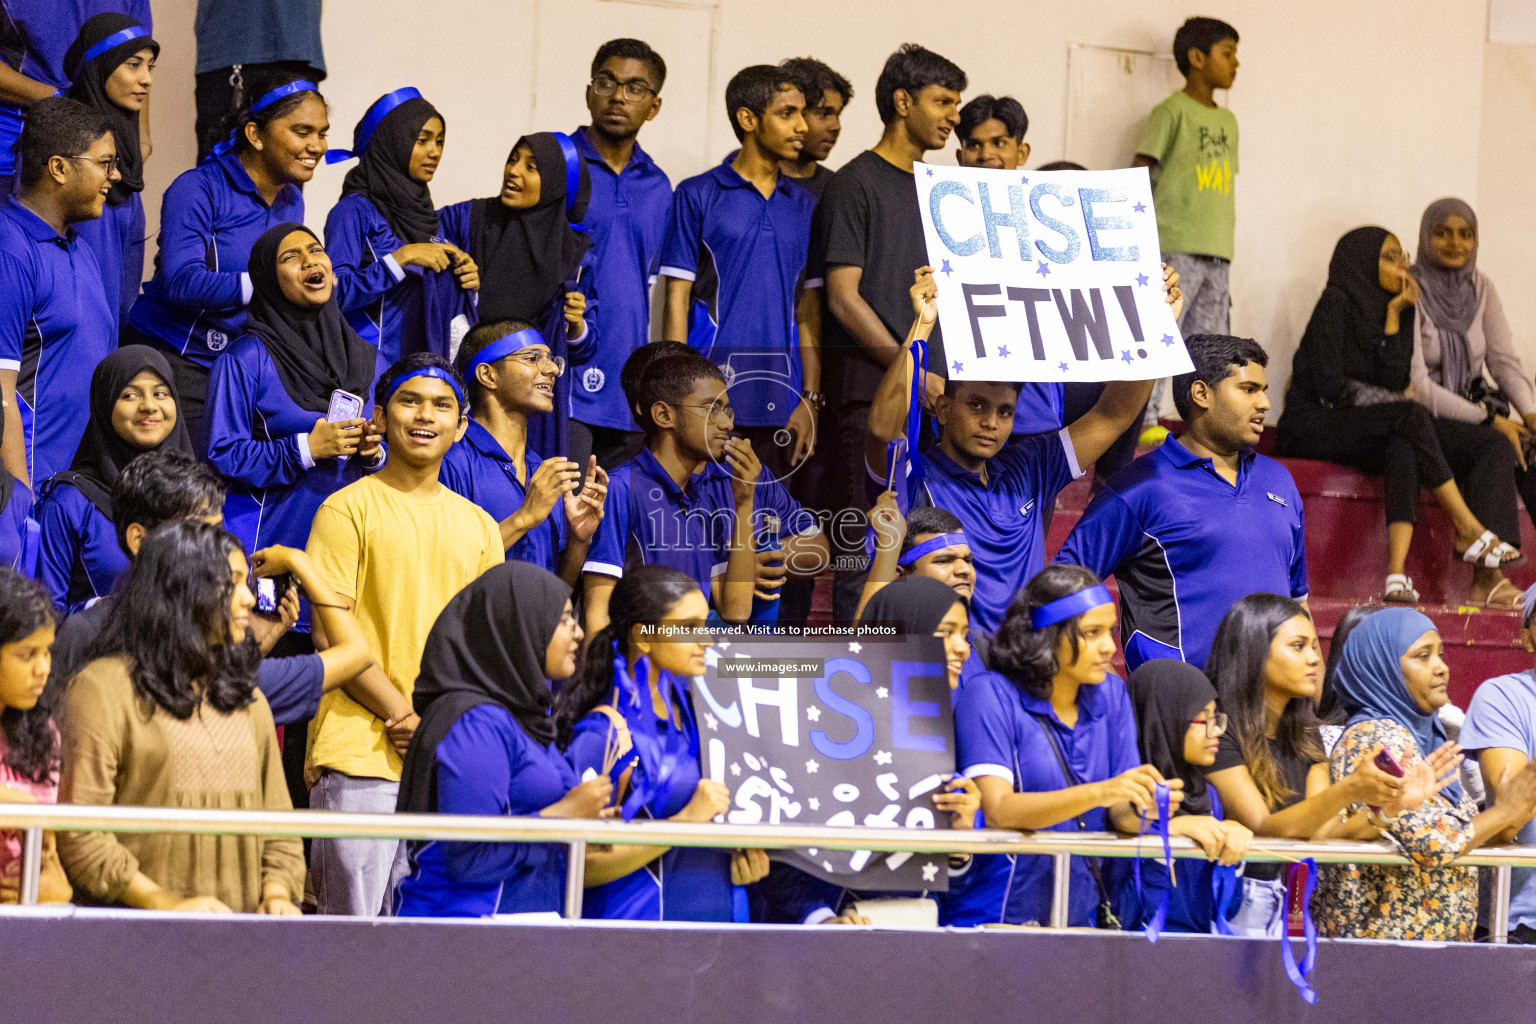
(626, 217)
(55, 321)
(997, 485)
(546, 512)
(1202, 521)
(736, 243)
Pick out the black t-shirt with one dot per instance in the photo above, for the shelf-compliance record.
(1293, 769)
(869, 218)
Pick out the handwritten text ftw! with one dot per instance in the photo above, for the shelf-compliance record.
(1057, 219)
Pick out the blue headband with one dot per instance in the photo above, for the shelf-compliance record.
(426, 371)
(113, 41)
(261, 104)
(572, 168)
(378, 112)
(932, 544)
(1064, 608)
(503, 347)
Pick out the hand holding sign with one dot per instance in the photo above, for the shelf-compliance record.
(1063, 283)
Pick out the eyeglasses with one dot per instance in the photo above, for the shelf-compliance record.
(106, 166)
(634, 89)
(1215, 725)
(537, 360)
(713, 413)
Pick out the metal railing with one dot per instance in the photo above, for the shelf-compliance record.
(33, 819)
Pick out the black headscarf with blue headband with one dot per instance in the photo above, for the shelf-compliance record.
(382, 143)
(105, 41)
(1370, 679)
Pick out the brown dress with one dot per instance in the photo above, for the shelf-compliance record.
(119, 750)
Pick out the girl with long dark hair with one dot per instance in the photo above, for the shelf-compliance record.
(1050, 737)
(133, 410)
(111, 67)
(533, 260)
(195, 304)
(486, 745)
(1270, 769)
(398, 282)
(634, 688)
(29, 743)
(168, 715)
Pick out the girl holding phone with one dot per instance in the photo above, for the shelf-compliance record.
(272, 396)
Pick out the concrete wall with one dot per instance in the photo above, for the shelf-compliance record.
(1350, 113)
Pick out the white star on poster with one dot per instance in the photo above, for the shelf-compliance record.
(712, 722)
(855, 646)
(828, 865)
(735, 768)
(815, 805)
(813, 713)
(930, 871)
(882, 692)
(724, 645)
(811, 766)
(882, 757)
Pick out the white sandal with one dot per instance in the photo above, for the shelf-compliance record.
(1491, 553)
(1400, 590)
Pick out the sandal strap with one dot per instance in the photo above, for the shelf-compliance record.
(1493, 593)
(1479, 552)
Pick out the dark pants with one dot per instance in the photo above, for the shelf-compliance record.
(1484, 463)
(218, 101)
(848, 490)
(612, 447)
(1398, 440)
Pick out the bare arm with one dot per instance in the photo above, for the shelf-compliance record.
(17, 88)
(146, 147)
(890, 531)
(1028, 811)
(347, 652)
(1112, 415)
(857, 316)
(808, 318)
(893, 399)
(13, 451)
(371, 687)
(674, 315)
(1493, 762)
(1142, 160)
(598, 589)
(1302, 820)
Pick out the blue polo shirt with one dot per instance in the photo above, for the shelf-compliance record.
(55, 326)
(36, 33)
(1002, 518)
(1000, 732)
(195, 304)
(399, 310)
(478, 467)
(754, 250)
(1184, 545)
(1040, 408)
(13, 529)
(1503, 714)
(626, 217)
(649, 520)
(80, 560)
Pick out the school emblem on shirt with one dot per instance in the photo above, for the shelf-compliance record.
(1277, 499)
(217, 341)
(593, 379)
(1026, 508)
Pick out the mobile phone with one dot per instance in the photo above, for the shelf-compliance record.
(1387, 763)
(344, 406)
(270, 592)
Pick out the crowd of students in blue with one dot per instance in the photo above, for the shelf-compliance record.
(252, 326)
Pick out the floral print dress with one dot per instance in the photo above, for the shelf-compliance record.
(1427, 899)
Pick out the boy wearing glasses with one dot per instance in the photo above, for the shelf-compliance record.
(545, 511)
(55, 321)
(697, 499)
(626, 217)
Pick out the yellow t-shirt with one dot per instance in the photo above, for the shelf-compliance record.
(398, 559)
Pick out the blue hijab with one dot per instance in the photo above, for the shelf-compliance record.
(1370, 679)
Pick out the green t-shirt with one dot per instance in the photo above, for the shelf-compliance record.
(1195, 147)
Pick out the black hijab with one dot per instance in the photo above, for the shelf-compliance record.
(315, 350)
(1168, 695)
(1353, 271)
(526, 256)
(103, 454)
(383, 172)
(487, 647)
(89, 85)
(919, 601)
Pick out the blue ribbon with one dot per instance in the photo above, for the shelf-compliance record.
(1225, 886)
(503, 347)
(915, 415)
(261, 104)
(657, 757)
(1160, 917)
(932, 544)
(572, 168)
(1301, 975)
(113, 41)
(370, 123)
(426, 371)
(1064, 608)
